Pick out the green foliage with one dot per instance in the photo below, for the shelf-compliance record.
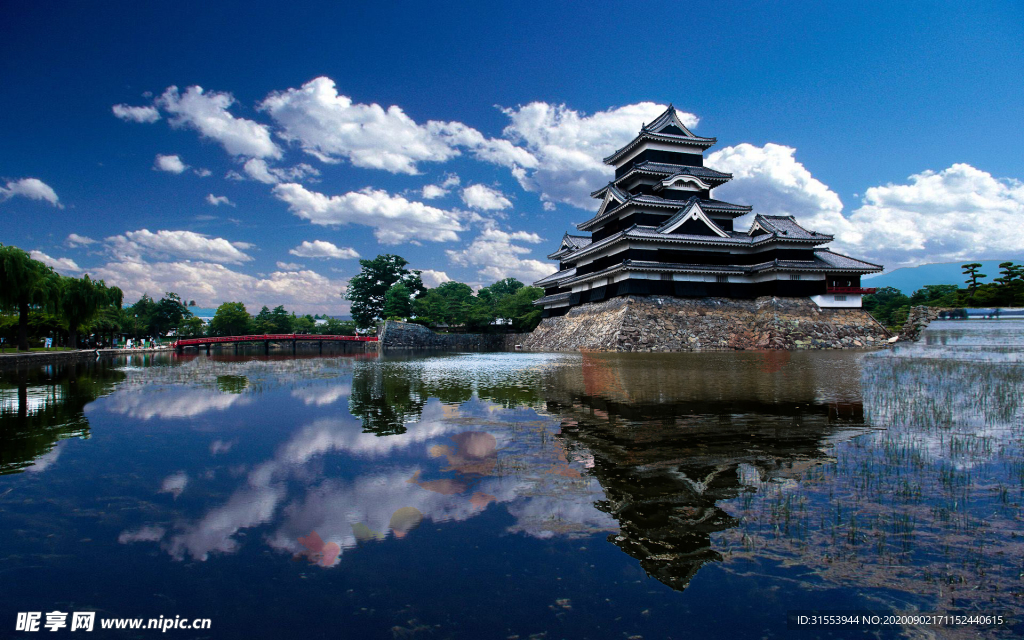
(519, 310)
(398, 301)
(231, 319)
(304, 324)
(888, 305)
(367, 290)
(335, 327)
(191, 327)
(24, 283)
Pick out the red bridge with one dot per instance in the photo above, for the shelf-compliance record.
(266, 339)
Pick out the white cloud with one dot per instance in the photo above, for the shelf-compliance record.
(496, 257)
(323, 249)
(202, 173)
(211, 284)
(479, 196)
(136, 114)
(432, 278)
(219, 200)
(394, 218)
(75, 240)
(771, 180)
(332, 127)
(259, 170)
(31, 188)
(959, 213)
(174, 484)
(434, 191)
(569, 147)
(208, 114)
(185, 244)
(288, 266)
(63, 265)
(170, 164)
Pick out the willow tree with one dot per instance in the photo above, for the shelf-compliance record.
(25, 283)
(81, 299)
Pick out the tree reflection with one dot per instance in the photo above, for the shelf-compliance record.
(385, 397)
(42, 406)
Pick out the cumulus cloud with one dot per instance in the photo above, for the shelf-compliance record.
(219, 200)
(496, 256)
(208, 114)
(31, 188)
(258, 169)
(75, 240)
(434, 191)
(479, 196)
(136, 114)
(959, 213)
(323, 249)
(771, 180)
(202, 173)
(289, 266)
(211, 284)
(186, 244)
(332, 127)
(63, 265)
(569, 146)
(432, 278)
(170, 164)
(394, 218)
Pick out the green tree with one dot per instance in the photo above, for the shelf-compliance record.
(518, 308)
(81, 299)
(304, 324)
(231, 319)
(262, 322)
(167, 314)
(280, 320)
(458, 298)
(335, 327)
(368, 289)
(191, 327)
(971, 271)
(139, 316)
(24, 283)
(430, 308)
(398, 301)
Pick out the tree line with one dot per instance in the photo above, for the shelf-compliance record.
(890, 306)
(62, 305)
(386, 289)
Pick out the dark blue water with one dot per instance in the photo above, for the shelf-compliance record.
(520, 495)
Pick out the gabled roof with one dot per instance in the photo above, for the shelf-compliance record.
(555, 277)
(709, 206)
(666, 128)
(785, 226)
(611, 190)
(691, 211)
(668, 120)
(569, 244)
(841, 262)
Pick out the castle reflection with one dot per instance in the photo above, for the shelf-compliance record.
(670, 440)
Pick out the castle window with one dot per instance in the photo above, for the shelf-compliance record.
(721, 278)
(794, 276)
(840, 298)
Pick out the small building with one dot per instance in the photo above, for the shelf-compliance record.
(660, 231)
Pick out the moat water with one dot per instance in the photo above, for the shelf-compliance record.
(513, 495)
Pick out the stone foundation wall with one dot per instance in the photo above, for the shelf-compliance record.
(406, 335)
(919, 318)
(653, 323)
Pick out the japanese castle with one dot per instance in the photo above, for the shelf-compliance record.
(660, 231)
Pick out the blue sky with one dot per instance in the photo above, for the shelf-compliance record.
(465, 136)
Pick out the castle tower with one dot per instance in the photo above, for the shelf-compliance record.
(660, 231)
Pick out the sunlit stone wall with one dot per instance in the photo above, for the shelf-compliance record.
(690, 324)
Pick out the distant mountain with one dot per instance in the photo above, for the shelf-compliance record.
(910, 279)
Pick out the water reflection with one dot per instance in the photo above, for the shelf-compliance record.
(892, 479)
(42, 407)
